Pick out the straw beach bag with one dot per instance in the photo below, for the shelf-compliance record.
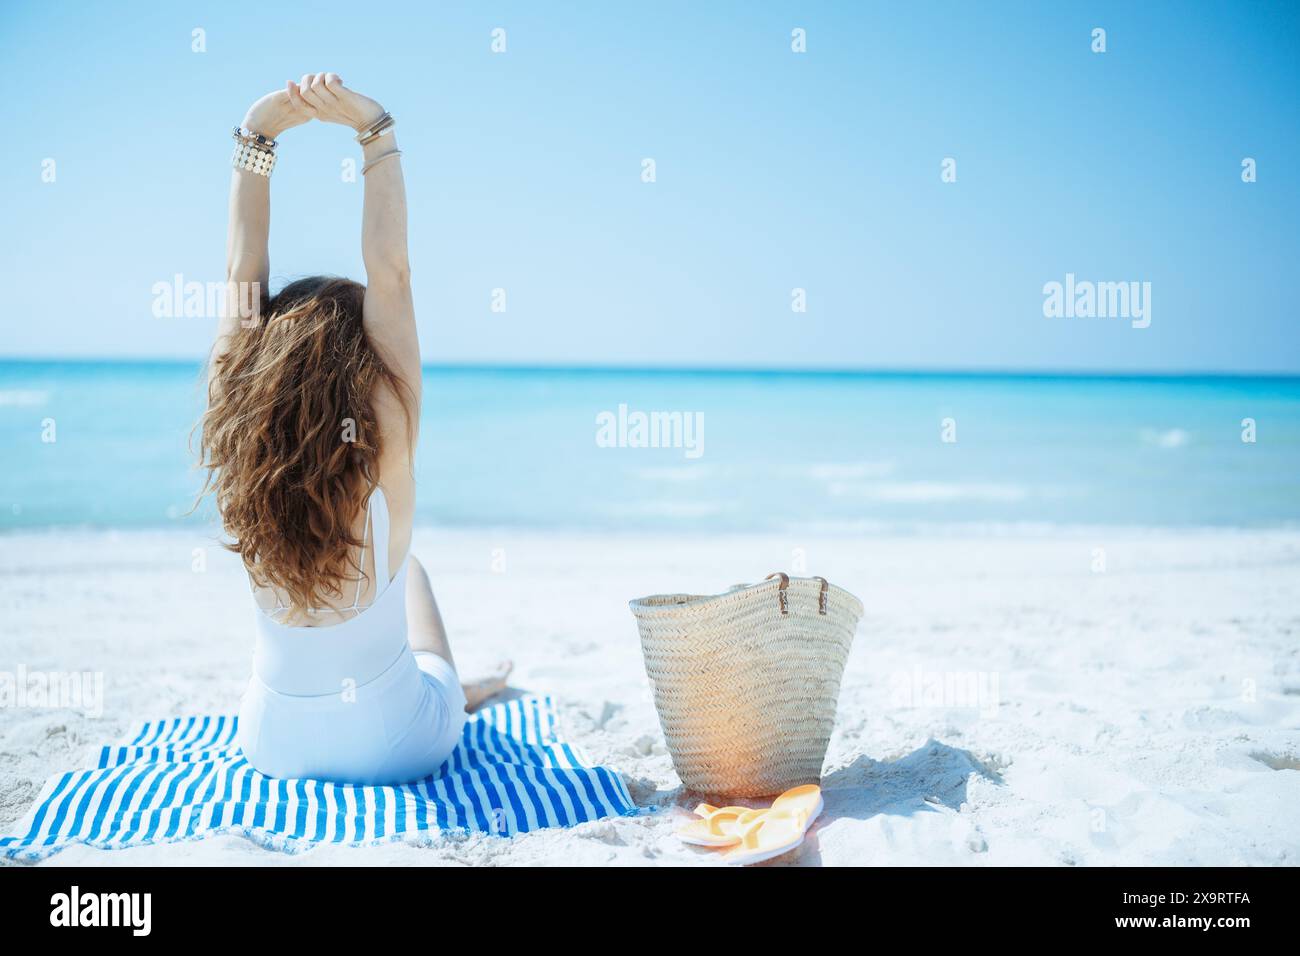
(746, 682)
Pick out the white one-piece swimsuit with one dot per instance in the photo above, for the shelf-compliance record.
(351, 702)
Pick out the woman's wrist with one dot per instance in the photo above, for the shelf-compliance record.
(378, 147)
(369, 120)
(257, 124)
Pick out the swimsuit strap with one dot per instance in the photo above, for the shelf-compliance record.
(380, 524)
(361, 562)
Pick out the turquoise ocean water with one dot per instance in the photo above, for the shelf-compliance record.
(777, 451)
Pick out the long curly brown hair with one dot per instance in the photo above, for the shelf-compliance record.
(290, 440)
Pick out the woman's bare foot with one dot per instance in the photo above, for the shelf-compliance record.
(479, 690)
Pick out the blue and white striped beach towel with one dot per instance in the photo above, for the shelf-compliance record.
(184, 778)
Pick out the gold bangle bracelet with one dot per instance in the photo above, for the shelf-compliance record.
(379, 159)
(376, 129)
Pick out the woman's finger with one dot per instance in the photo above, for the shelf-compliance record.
(321, 87)
(314, 90)
(333, 83)
(295, 98)
(304, 87)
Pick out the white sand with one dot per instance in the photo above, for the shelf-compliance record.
(1149, 714)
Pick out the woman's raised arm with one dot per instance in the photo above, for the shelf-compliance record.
(389, 311)
(248, 264)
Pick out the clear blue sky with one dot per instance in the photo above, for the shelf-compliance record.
(775, 171)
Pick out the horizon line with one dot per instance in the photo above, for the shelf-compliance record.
(719, 370)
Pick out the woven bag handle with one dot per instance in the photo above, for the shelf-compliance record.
(781, 591)
(784, 597)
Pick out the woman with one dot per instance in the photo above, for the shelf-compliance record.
(308, 439)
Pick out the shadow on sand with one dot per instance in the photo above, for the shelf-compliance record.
(934, 775)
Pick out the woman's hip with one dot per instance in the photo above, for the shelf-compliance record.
(396, 729)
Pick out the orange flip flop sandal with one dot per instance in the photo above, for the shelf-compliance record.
(718, 826)
(767, 835)
(806, 800)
